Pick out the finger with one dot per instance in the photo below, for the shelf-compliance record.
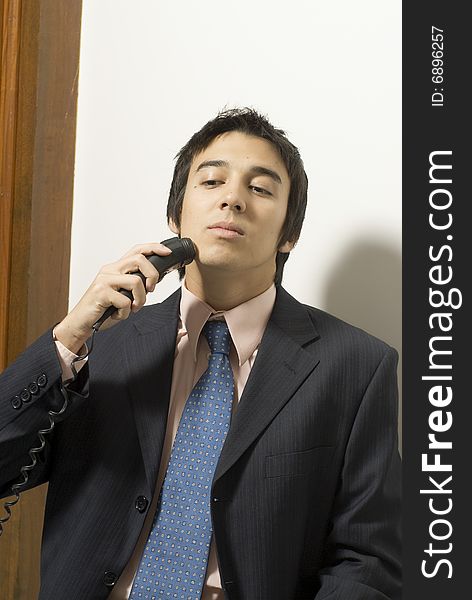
(122, 304)
(137, 289)
(151, 248)
(138, 262)
(110, 282)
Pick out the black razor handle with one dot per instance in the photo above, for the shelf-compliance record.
(183, 252)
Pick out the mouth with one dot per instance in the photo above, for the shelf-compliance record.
(226, 229)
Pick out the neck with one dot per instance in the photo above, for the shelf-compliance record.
(224, 290)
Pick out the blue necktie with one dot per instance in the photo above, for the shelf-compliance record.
(174, 561)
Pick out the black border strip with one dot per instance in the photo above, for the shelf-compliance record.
(435, 272)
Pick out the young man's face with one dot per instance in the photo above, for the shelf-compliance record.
(240, 181)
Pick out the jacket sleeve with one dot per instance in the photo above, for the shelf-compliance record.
(363, 550)
(29, 388)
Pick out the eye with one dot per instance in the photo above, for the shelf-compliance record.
(260, 190)
(211, 182)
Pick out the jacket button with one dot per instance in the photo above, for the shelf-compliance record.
(42, 380)
(215, 499)
(33, 388)
(141, 503)
(16, 402)
(25, 395)
(109, 579)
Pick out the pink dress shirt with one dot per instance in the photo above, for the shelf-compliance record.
(246, 324)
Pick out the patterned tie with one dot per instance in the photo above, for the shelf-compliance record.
(175, 558)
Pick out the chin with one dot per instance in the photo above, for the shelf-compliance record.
(220, 262)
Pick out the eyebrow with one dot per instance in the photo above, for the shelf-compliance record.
(256, 169)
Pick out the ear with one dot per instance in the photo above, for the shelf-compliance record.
(173, 227)
(287, 247)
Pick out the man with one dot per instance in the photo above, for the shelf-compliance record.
(229, 442)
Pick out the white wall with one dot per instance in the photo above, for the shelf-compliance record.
(329, 73)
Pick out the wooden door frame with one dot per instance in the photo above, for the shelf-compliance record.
(39, 58)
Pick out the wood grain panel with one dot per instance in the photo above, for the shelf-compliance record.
(9, 47)
(38, 97)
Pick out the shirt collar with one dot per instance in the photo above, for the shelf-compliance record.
(246, 322)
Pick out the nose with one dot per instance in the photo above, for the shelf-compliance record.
(233, 199)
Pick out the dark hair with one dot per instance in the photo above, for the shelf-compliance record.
(248, 121)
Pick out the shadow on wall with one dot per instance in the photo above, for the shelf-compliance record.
(364, 289)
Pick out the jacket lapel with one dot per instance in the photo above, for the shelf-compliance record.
(150, 359)
(281, 366)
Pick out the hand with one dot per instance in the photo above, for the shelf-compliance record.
(76, 327)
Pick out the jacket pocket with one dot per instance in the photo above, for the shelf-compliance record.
(291, 464)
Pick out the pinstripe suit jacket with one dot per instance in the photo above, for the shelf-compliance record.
(305, 497)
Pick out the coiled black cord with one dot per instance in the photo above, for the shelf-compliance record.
(33, 452)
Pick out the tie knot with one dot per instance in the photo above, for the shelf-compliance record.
(218, 336)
